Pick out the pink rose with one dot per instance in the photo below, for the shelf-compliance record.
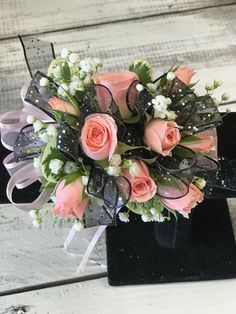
(162, 136)
(206, 143)
(143, 186)
(99, 136)
(118, 84)
(69, 199)
(62, 105)
(184, 74)
(184, 204)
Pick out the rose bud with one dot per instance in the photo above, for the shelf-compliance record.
(184, 74)
(205, 144)
(62, 105)
(162, 136)
(69, 199)
(184, 204)
(118, 83)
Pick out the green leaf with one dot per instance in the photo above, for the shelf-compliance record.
(183, 153)
(143, 69)
(57, 114)
(65, 73)
(51, 152)
(190, 139)
(122, 148)
(72, 177)
(103, 163)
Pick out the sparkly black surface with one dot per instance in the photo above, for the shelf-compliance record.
(204, 250)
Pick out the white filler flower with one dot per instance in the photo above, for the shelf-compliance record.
(55, 165)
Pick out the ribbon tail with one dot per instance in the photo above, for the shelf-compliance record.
(90, 248)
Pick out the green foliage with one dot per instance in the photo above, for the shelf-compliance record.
(122, 148)
(57, 114)
(72, 177)
(190, 139)
(145, 207)
(183, 153)
(65, 73)
(103, 163)
(143, 69)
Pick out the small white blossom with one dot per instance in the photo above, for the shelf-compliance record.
(70, 64)
(127, 163)
(97, 61)
(51, 130)
(37, 222)
(30, 119)
(82, 74)
(133, 169)
(146, 217)
(170, 76)
(199, 182)
(44, 137)
(78, 225)
(152, 87)
(73, 86)
(65, 53)
(225, 97)
(33, 213)
(171, 115)
(160, 106)
(62, 90)
(158, 217)
(114, 171)
(43, 81)
(139, 87)
(85, 180)
(74, 57)
(115, 160)
(37, 162)
(85, 66)
(124, 217)
(87, 80)
(75, 78)
(167, 101)
(153, 211)
(38, 125)
(208, 86)
(70, 167)
(55, 165)
(57, 71)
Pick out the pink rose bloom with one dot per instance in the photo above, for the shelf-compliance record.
(205, 144)
(184, 204)
(69, 199)
(118, 84)
(143, 186)
(99, 136)
(184, 74)
(162, 136)
(62, 105)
